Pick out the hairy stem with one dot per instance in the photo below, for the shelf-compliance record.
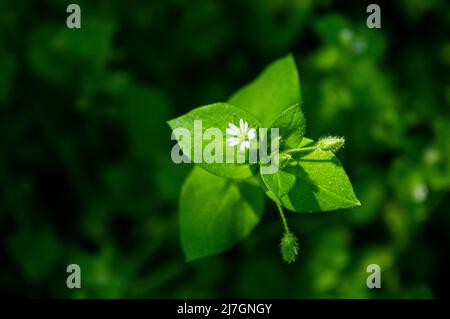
(283, 218)
(302, 149)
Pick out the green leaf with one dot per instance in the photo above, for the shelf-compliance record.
(291, 123)
(275, 89)
(216, 213)
(217, 115)
(318, 183)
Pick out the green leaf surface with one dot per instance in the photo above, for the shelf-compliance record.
(216, 213)
(275, 89)
(292, 125)
(217, 115)
(318, 183)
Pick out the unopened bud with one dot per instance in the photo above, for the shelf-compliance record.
(330, 143)
(287, 160)
(292, 163)
(289, 247)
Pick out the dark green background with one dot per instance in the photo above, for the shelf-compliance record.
(85, 169)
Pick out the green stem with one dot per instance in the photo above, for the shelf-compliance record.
(283, 218)
(302, 149)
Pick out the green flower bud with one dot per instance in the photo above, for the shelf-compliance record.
(292, 163)
(289, 247)
(287, 160)
(330, 143)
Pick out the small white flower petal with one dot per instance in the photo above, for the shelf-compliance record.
(241, 125)
(232, 131)
(245, 127)
(251, 134)
(233, 127)
(232, 141)
(242, 146)
(247, 144)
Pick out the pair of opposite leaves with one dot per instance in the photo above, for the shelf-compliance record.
(220, 204)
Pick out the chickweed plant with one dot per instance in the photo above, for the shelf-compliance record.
(251, 145)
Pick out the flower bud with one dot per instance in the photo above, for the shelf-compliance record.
(287, 160)
(292, 163)
(289, 247)
(330, 143)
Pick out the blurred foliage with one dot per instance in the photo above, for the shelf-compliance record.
(86, 175)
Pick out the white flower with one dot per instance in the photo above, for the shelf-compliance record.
(240, 135)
